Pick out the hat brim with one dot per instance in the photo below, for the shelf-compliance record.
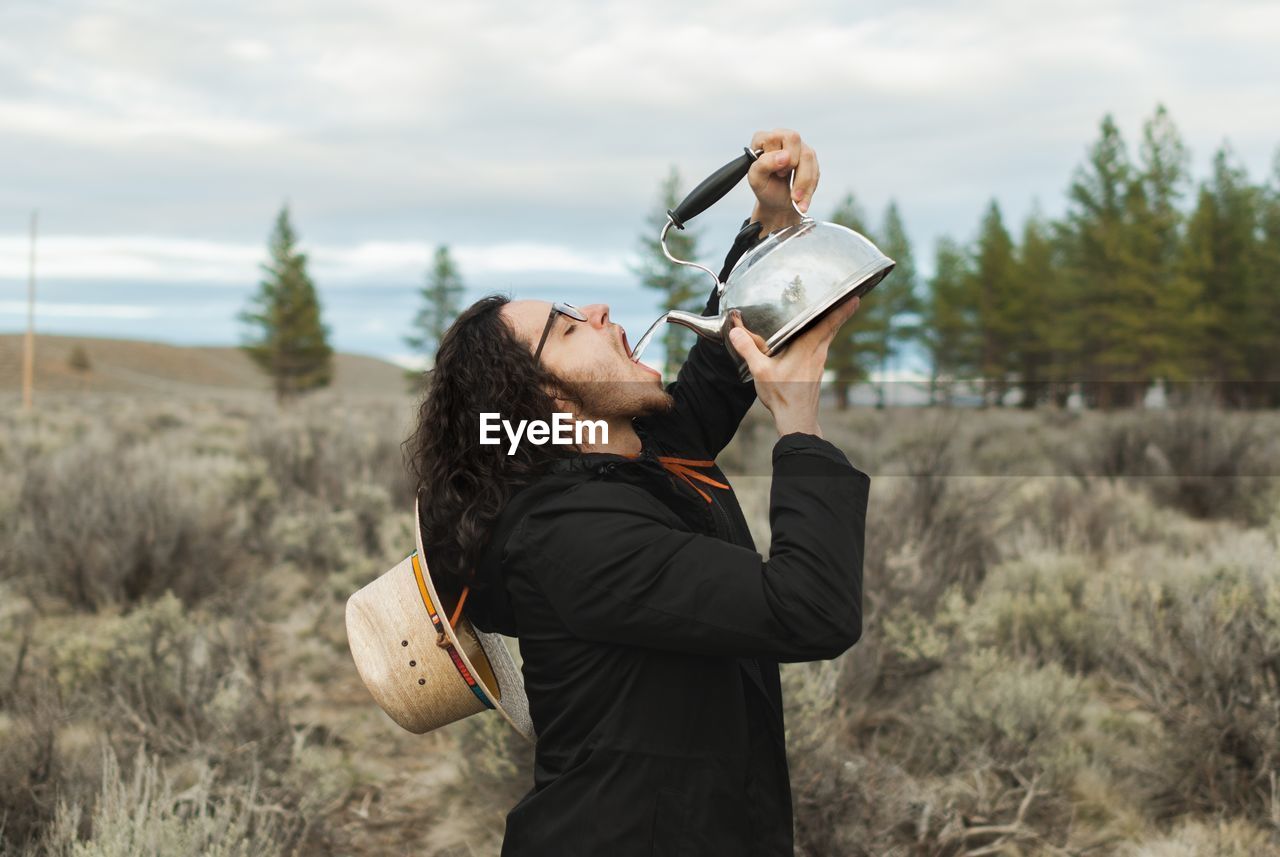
(509, 700)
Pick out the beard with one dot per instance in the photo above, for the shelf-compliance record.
(602, 396)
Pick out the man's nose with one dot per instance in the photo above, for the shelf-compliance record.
(597, 314)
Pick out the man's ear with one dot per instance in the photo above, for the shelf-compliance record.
(560, 397)
(565, 406)
(567, 402)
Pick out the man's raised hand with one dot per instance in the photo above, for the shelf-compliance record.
(789, 383)
(770, 176)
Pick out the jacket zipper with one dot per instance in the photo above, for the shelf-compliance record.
(733, 532)
(718, 514)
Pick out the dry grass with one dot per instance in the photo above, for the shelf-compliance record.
(1070, 645)
(150, 368)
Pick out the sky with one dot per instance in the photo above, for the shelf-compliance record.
(158, 139)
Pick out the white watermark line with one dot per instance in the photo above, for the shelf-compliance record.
(563, 430)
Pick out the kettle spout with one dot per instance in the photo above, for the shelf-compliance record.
(710, 326)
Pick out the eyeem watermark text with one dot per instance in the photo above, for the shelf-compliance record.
(562, 430)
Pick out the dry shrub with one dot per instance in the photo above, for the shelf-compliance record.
(255, 498)
(1199, 648)
(140, 516)
(842, 801)
(995, 709)
(853, 805)
(324, 452)
(34, 770)
(144, 815)
(1019, 632)
(1203, 461)
(1185, 649)
(1096, 517)
(31, 768)
(931, 530)
(316, 538)
(1045, 608)
(853, 797)
(99, 524)
(181, 683)
(909, 646)
(1221, 838)
(495, 763)
(191, 687)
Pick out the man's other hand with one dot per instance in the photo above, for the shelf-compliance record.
(770, 177)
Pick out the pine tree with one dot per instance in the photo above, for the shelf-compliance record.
(1098, 270)
(893, 307)
(1223, 255)
(996, 273)
(441, 302)
(291, 343)
(680, 286)
(1164, 299)
(1039, 340)
(1268, 272)
(950, 331)
(855, 349)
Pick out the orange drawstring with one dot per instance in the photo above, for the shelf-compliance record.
(441, 640)
(457, 610)
(683, 467)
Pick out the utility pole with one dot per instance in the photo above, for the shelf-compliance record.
(29, 345)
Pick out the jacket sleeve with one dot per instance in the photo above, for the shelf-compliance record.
(618, 567)
(710, 401)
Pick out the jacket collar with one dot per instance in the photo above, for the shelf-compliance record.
(598, 463)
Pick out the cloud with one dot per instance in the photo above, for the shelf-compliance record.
(249, 50)
(129, 258)
(151, 123)
(487, 122)
(532, 137)
(157, 259)
(79, 310)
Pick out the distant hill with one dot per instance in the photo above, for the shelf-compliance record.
(132, 366)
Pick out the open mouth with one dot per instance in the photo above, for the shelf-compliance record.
(626, 351)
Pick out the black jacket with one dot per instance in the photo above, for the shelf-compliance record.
(651, 630)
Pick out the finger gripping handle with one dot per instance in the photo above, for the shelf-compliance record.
(712, 189)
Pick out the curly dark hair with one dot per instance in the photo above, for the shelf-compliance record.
(462, 485)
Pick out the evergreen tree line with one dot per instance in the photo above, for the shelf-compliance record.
(1144, 279)
(1141, 281)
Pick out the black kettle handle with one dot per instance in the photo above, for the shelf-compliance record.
(712, 189)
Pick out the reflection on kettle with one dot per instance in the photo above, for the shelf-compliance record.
(783, 284)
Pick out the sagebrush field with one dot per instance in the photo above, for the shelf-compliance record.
(1072, 640)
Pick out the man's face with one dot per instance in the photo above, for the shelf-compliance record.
(591, 358)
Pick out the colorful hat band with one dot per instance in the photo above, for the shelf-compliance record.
(443, 640)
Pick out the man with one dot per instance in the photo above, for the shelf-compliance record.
(649, 626)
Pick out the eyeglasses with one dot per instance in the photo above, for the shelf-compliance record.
(557, 308)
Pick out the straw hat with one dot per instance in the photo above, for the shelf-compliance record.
(422, 670)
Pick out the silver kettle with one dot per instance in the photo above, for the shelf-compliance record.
(783, 284)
